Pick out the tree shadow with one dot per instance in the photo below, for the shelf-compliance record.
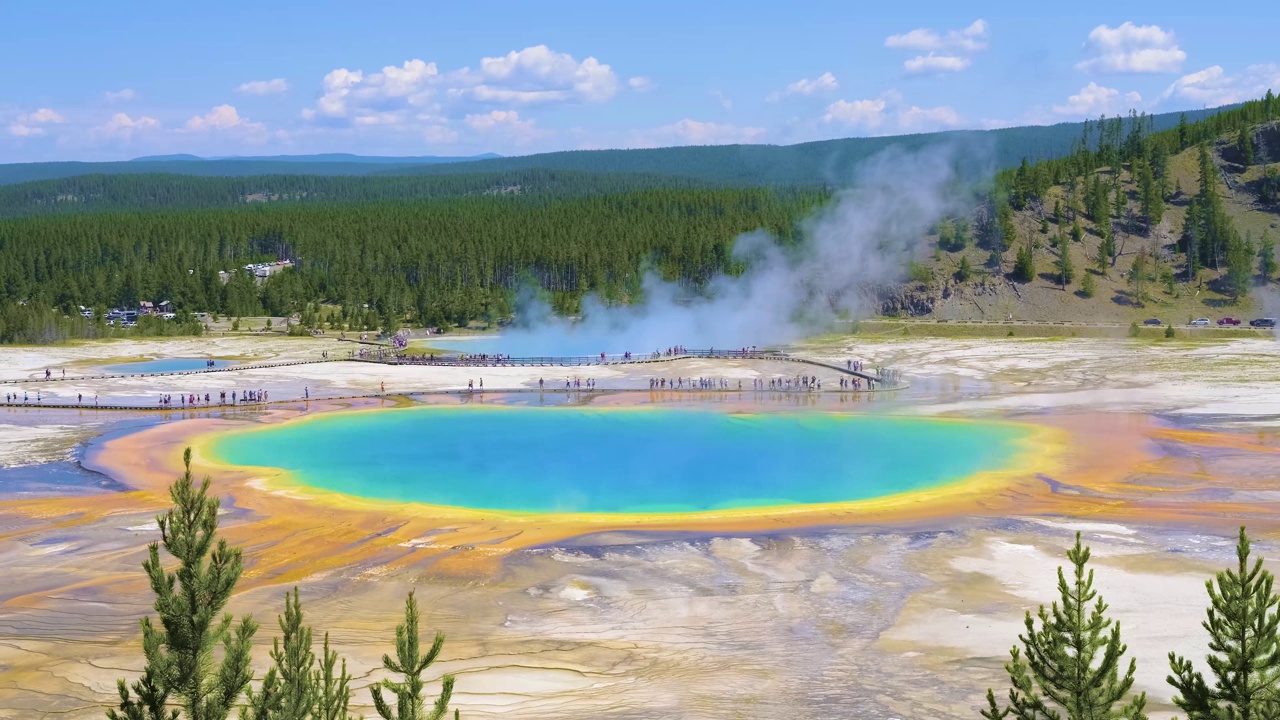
(1126, 299)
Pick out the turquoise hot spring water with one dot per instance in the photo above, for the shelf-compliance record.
(627, 460)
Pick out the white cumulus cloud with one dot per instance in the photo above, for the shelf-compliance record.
(274, 86)
(863, 113)
(695, 132)
(44, 115)
(932, 63)
(539, 69)
(917, 119)
(944, 52)
(223, 118)
(31, 124)
(534, 75)
(123, 127)
(18, 129)
(1131, 48)
(639, 83)
(1213, 86)
(1094, 99)
(889, 113)
(824, 83)
(506, 125)
(969, 39)
(121, 95)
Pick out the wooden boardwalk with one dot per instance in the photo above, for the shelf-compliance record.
(461, 361)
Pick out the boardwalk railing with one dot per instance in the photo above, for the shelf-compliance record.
(393, 357)
(887, 379)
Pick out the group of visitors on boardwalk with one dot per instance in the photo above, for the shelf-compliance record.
(692, 384)
(191, 400)
(12, 398)
(806, 383)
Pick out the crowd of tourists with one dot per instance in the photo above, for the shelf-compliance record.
(238, 397)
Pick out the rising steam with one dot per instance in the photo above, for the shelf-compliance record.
(864, 237)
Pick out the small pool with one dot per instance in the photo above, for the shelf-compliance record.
(166, 365)
(470, 344)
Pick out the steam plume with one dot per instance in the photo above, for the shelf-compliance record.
(864, 237)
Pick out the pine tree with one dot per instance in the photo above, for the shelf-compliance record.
(1107, 248)
(288, 691)
(1267, 257)
(1239, 265)
(1243, 644)
(410, 663)
(965, 270)
(1024, 266)
(1138, 277)
(1008, 231)
(180, 654)
(1069, 667)
(1244, 143)
(1122, 200)
(1066, 270)
(333, 689)
(1088, 287)
(1151, 197)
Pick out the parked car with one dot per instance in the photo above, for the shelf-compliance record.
(1263, 322)
(1200, 322)
(1152, 321)
(1228, 321)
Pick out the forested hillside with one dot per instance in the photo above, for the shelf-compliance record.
(433, 263)
(976, 154)
(1176, 224)
(97, 193)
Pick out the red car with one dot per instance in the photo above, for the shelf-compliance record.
(1228, 321)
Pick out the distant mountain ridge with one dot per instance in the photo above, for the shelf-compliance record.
(974, 153)
(326, 158)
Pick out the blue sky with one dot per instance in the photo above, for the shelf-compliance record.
(98, 81)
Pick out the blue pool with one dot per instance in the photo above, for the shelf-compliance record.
(578, 459)
(167, 365)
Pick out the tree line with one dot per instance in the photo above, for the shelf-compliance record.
(436, 263)
(199, 660)
(1069, 664)
(155, 191)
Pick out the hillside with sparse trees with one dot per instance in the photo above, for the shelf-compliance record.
(1175, 224)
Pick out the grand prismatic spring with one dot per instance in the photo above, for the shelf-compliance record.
(580, 460)
(625, 553)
